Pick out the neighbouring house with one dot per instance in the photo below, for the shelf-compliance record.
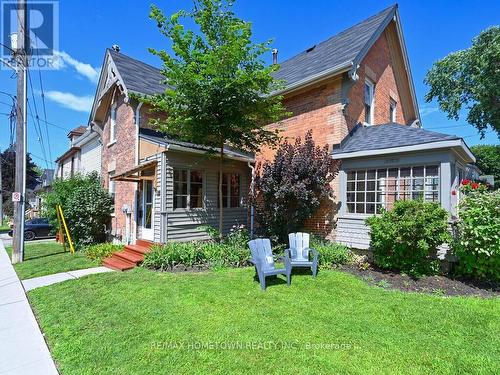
(83, 155)
(34, 195)
(354, 91)
(163, 189)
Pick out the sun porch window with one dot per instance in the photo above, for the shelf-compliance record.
(188, 189)
(370, 190)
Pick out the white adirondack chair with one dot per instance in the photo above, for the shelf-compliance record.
(301, 255)
(263, 260)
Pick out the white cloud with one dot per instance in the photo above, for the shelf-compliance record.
(427, 110)
(71, 101)
(84, 69)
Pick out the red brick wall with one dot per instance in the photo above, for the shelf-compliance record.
(378, 67)
(122, 154)
(319, 108)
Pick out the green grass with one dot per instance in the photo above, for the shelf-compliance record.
(46, 258)
(143, 322)
(4, 228)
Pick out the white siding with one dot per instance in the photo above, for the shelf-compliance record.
(91, 156)
(182, 224)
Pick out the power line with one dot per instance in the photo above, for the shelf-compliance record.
(37, 132)
(42, 94)
(44, 110)
(37, 123)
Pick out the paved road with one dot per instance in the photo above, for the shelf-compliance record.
(7, 240)
(23, 350)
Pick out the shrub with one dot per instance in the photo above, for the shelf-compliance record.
(290, 189)
(478, 228)
(331, 254)
(86, 206)
(231, 251)
(100, 251)
(405, 237)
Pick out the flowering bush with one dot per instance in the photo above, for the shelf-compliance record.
(466, 186)
(478, 229)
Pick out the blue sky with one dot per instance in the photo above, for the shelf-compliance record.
(432, 29)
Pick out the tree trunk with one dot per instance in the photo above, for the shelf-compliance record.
(221, 209)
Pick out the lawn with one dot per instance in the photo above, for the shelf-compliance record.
(45, 258)
(144, 322)
(5, 227)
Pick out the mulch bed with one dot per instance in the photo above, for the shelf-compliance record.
(435, 285)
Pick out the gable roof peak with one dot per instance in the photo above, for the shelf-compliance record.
(341, 52)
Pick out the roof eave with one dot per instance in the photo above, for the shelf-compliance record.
(176, 147)
(336, 70)
(457, 144)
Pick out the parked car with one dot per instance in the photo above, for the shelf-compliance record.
(36, 228)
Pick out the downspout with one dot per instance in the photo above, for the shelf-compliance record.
(252, 192)
(137, 120)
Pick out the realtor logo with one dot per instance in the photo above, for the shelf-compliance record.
(42, 19)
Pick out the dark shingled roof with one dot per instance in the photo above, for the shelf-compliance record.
(338, 50)
(79, 130)
(163, 138)
(376, 137)
(137, 76)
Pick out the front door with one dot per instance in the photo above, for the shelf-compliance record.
(147, 217)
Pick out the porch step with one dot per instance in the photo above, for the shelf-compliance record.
(144, 243)
(129, 257)
(118, 264)
(137, 249)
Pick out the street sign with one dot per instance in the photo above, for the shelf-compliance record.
(16, 196)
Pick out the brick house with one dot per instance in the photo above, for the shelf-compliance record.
(353, 90)
(163, 189)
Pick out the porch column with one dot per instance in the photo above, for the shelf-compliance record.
(445, 183)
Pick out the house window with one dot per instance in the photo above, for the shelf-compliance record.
(392, 111)
(370, 190)
(112, 124)
(231, 190)
(188, 189)
(369, 101)
(111, 189)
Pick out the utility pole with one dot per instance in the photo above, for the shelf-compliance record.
(1, 193)
(21, 54)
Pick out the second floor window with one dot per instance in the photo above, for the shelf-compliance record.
(392, 111)
(188, 189)
(112, 124)
(369, 101)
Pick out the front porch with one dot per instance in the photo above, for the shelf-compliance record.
(385, 163)
(177, 191)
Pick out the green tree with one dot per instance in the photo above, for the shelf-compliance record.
(86, 205)
(488, 160)
(8, 160)
(470, 78)
(218, 86)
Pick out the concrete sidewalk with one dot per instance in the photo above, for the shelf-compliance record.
(37, 282)
(22, 347)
